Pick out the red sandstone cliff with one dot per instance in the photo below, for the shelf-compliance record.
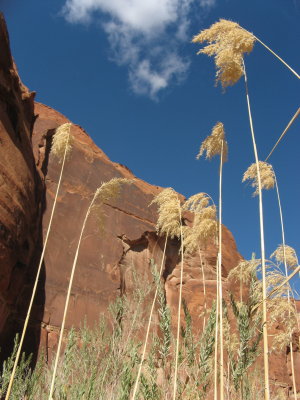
(28, 180)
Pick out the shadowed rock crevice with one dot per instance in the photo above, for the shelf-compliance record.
(20, 200)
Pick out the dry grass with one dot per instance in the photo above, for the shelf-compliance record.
(169, 215)
(214, 143)
(285, 253)
(266, 175)
(227, 43)
(62, 141)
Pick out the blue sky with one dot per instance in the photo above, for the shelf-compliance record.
(127, 72)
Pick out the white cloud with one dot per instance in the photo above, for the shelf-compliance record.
(145, 35)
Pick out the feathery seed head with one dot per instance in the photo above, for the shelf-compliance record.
(245, 270)
(203, 230)
(212, 145)
(288, 252)
(227, 43)
(204, 225)
(169, 213)
(266, 176)
(111, 189)
(209, 212)
(197, 202)
(61, 141)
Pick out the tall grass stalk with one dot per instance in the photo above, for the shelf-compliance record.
(215, 144)
(216, 336)
(262, 244)
(179, 309)
(297, 113)
(277, 56)
(65, 143)
(136, 385)
(220, 279)
(104, 192)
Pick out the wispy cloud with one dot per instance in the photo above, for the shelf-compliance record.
(144, 35)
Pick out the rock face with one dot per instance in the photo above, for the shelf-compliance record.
(110, 253)
(20, 184)
(122, 242)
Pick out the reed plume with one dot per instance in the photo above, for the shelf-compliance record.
(169, 214)
(244, 272)
(285, 253)
(62, 142)
(227, 43)
(108, 190)
(61, 149)
(213, 145)
(266, 176)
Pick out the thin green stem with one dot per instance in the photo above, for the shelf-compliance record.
(204, 288)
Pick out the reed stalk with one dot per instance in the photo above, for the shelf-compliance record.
(179, 309)
(262, 244)
(216, 337)
(65, 153)
(136, 385)
(215, 144)
(284, 132)
(220, 279)
(277, 56)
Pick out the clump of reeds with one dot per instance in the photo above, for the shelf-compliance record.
(169, 225)
(61, 149)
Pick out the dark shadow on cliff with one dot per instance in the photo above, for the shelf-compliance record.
(19, 306)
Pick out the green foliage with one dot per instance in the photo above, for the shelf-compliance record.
(207, 349)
